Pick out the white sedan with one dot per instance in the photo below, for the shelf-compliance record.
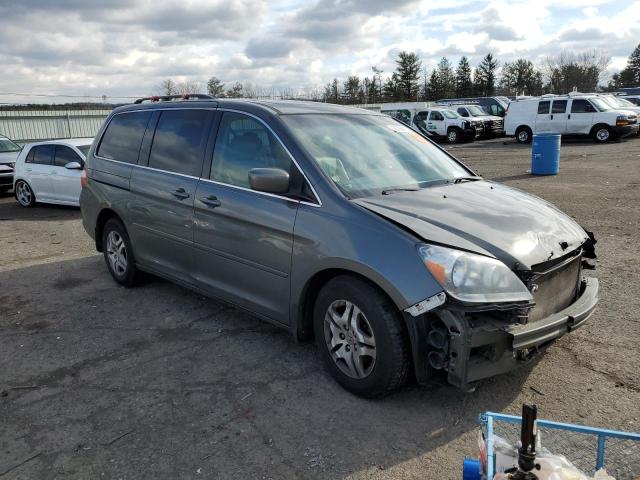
(49, 172)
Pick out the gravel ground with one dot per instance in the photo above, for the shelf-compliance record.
(98, 381)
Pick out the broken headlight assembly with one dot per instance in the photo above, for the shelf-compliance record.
(473, 278)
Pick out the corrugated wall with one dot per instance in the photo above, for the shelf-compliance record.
(34, 125)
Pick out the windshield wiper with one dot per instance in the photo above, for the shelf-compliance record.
(466, 179)
(399, 189)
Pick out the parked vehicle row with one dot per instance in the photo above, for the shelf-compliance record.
(435, 121)
(573, 114)
(342, 225)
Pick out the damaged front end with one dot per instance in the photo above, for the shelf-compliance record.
(470, 341)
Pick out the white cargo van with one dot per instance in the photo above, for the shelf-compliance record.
(435, 121)
(573, 114)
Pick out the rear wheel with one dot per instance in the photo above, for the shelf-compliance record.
(602, 133)
(360, 337)
(523, 135)
(118, 254)
(24, 194)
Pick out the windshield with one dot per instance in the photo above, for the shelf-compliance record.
(84, 149)
(366, 154)
(600, 104)
(476, 111)
(623, 102)
(7, 145)
(450, 114)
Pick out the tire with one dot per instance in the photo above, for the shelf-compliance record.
(602, 133)
(524, 135)
(24, 194)
(118, 254)
(454, 135)
(366, 349)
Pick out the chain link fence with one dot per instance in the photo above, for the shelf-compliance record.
(29, 124)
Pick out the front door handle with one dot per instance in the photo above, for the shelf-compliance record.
(569, 117)
(180, 193)
(211, 201)
(551, 117)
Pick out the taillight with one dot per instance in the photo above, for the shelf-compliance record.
(84, 180)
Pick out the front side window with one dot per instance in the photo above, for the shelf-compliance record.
(41, 154)
(7, 145)
(123, 137)
(543, 107)
(244, 143)
(463, 112)
(366, 154)
(559, 106)
(581, 105)
(64, 155)
(436, 116)
(179, 141)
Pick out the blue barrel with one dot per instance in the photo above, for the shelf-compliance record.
(471, 469)
(545, 154)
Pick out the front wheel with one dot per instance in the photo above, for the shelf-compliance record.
(453, 135)
(118, 254)
(602, 134)
(24, 194)
(360, 337)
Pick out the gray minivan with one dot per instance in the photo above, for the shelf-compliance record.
(342, 225)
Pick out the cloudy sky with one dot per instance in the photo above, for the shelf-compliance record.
(127, 47)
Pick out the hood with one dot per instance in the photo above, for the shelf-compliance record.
(8, 157)
(513, 226)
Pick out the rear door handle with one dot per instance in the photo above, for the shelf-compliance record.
(180, 193)
(551, 117)
(211, 201)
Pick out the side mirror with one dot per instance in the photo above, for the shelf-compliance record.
(269, 180)
(73, 166)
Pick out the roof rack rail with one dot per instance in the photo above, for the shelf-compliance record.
(168, 98)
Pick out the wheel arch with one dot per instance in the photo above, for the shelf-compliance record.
(599, 125)
(104, 216)
(303, 319)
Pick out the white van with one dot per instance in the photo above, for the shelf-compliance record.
(573, 114)
(435, 120)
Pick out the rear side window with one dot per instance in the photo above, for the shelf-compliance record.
(543, 107)
(123, 137)
(65, 155)
(42, 155)
(244, 143)
(559, 106)
(179, 141)
(581, 106)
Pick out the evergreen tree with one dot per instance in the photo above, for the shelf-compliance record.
(407, 75)
(521, 78)
(352, 90)
(235, 91)
(434, 88)
(464, 85)
(446, 78)
(389, 90)
(485, 77)
(215, 87)
(633, 65)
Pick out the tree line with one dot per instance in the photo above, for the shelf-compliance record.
(411, 80)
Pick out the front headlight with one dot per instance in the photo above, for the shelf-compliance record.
(473, 278)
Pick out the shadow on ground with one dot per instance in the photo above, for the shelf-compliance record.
(158, 382)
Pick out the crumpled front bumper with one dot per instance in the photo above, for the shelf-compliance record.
(481, 346)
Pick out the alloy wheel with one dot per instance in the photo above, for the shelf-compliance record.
(602, 134)
(350, 339)
(452, 136)
(117, 253)
(523, 136)
(24, 194)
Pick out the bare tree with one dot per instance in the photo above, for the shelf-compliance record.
(168, 87)
(576, 71)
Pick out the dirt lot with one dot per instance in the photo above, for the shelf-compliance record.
(99, 381)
